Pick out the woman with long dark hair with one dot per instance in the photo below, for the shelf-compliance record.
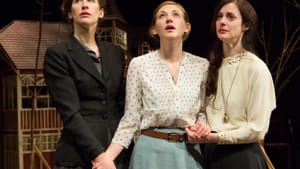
(240, 92)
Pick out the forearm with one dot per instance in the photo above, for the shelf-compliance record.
(114, 150)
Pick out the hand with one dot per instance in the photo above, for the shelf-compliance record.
(197, 133)
(103, 161)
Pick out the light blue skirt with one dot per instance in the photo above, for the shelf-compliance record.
(153, 153)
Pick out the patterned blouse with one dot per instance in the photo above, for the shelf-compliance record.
(246, 94)
(154, 100)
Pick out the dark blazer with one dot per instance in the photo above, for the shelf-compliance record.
(90, 105)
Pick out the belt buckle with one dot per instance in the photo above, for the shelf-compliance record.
(180, 139)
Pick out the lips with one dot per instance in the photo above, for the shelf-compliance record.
(222, 30)
(170, 27)
(85, 14)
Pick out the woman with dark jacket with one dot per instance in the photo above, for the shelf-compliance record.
(85, 80)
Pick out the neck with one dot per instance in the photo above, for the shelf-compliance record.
(233, 47)
(232, 50)
(85, 34)
(171, 52)
(85, 39)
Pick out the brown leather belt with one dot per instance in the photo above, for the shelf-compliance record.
(172, 137)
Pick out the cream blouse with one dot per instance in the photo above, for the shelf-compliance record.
(246, 93)
(154, 100)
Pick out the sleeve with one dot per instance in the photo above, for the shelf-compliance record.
(62, 90)
(202, 113)
(121, 95)
(130, 122)
(261, 101)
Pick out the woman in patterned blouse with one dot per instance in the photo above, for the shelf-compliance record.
(165, 92)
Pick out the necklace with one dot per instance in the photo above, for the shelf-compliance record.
(231, 61)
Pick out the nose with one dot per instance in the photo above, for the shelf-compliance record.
(84, 4)
(222, 19)
(169, 19)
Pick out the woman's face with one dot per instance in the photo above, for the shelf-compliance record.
(85, 12)
(229, 24)
(170, 23)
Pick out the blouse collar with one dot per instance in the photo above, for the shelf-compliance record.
(233, 59)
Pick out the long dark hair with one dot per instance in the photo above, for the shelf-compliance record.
(250, 19)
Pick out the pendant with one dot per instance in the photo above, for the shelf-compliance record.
(225, 118)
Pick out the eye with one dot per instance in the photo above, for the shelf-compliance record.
(176, 14)
(219, 16)
(230, 16)
(161, 15)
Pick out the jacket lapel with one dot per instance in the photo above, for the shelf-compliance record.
(105, 53)
(78, 54)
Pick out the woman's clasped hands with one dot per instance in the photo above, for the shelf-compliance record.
(198, 132)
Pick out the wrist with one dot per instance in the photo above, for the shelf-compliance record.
(109, 155)
(213, 138)
(113, 151)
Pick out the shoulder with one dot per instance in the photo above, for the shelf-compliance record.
(111, 51)
(254, 62)
(66, 45)
(144, 58)
(56, 51)
(108, 44)
(195, 59)
(255, 65)
(143, 61)
(61, 46)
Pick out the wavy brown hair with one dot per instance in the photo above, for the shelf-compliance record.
(153, 21)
